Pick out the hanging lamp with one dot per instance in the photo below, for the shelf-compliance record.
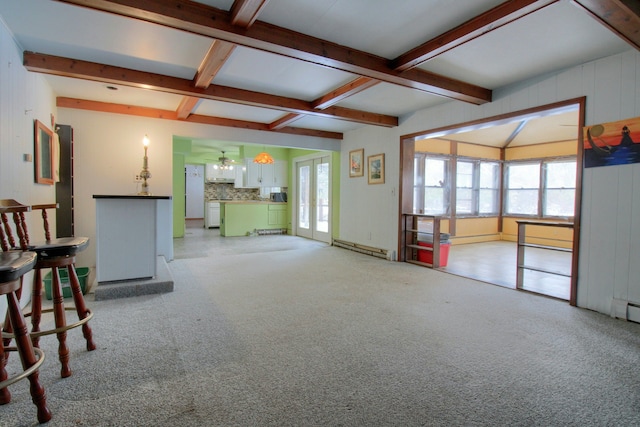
(263, 158)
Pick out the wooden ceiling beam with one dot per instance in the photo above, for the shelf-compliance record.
(285, 121)
(343, 92)
(187, 106)
(156, 113)
(245, 12)
(215, 58)
(328, 100)
(500, 15)
(620, 16)
(66, 67)
(208, 21)
(213, 61)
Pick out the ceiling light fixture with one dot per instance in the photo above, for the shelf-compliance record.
(263, 158)
(225, 163)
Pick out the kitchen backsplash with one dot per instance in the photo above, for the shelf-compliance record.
(225, 191)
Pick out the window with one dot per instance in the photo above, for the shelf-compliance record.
(489, 194)
(560, 189)
(522, 188)
(431, 185)
(464, 188)
(544, 188)
(477, 187)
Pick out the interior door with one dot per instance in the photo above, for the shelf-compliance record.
(313, 199)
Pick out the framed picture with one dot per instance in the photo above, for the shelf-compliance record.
(356, 160)
(43, 140)
(376, 169)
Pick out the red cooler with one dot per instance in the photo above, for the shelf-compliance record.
(427, 256)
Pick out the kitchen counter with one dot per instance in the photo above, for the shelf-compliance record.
(265, 202)
(244, 217)
(131, 232)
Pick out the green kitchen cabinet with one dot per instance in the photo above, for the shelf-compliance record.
(243, 218)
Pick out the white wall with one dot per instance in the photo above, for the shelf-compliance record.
(610, 236)
(24, 97)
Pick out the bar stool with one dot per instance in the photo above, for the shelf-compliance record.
(54, 254)
(13, 265)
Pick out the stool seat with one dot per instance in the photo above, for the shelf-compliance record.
(63, 246)
(15, 264)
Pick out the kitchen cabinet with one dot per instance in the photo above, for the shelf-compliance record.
(273, 175)
(277, 215)
(243, 218)
(213, 172)
(212, 214)
(240, 176)
(280, 174)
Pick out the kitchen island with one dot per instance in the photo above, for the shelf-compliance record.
(242, 218)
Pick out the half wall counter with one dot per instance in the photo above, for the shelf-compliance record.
(242, 218)
(131, 232)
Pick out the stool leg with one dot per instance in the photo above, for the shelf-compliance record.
(81, 308)
(61, 322)
(36, 305)
(5, 396)
(7, 322)
(28, 357)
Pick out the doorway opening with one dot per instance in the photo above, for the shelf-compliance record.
(194, 195)
(483, 178)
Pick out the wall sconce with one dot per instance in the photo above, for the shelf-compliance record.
(145, 174)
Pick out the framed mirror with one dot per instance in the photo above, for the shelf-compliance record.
(43, 138)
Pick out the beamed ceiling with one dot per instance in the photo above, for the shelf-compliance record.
(306, 67)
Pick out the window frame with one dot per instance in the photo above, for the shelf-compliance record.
(542, 187)
(476, 187)
(420, 159)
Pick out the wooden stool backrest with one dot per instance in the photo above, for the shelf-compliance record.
(7, 239)
(10, 206)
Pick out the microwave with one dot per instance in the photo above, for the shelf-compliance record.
(279, 197)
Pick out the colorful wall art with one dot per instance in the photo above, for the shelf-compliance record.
(615, 143)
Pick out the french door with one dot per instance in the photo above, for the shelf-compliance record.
(313, 199)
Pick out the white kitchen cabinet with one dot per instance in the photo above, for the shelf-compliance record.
(280, 174)
(213, 172)
(273, 175)
(212, 214)
(240, 176)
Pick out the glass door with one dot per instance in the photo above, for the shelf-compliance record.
(313, 199)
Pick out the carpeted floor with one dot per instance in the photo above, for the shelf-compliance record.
(283, 331)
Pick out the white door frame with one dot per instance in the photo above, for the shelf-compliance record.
(294, 190)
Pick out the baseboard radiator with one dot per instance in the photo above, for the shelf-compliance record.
(368, 250)
(269, 231)
(626, 310)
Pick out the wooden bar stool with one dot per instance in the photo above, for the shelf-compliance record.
(54, 254)
(13, 265)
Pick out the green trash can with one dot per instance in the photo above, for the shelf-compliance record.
(82, 272)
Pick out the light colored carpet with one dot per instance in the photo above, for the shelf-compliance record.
(283, 331)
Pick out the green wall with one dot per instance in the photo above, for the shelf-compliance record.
(182, 155)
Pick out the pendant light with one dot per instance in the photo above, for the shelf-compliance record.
(263, 158)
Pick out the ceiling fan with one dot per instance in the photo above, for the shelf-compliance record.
(225, 163)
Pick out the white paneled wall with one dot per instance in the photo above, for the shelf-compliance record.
(610, 236)
(24, 97)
